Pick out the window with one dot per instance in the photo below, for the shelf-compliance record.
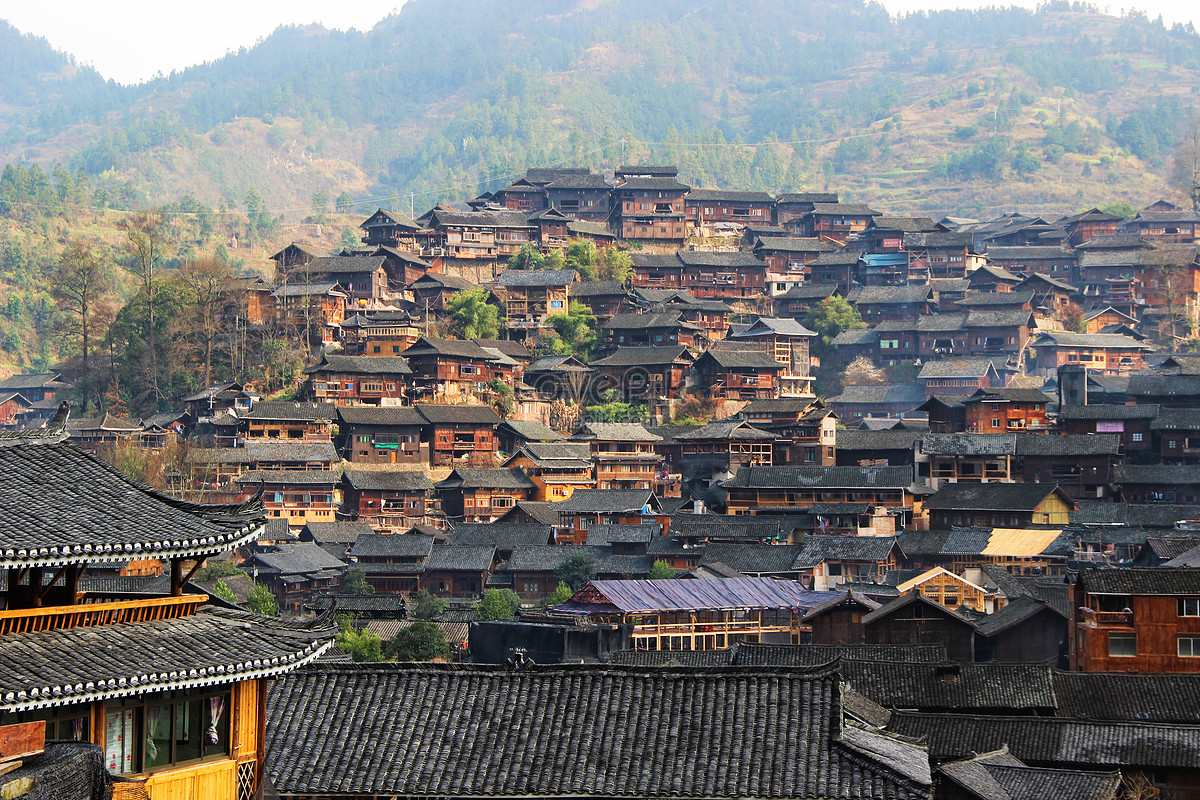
(1189, 606)
(1122, 644)
(166, 728)
(1137, 437)
(995, 422)
(1189, 646)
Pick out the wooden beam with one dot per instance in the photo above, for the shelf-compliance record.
(176, 577)
(199, 563)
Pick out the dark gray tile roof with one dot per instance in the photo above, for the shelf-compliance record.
(877, 440)
(623, 534)
(541, 277)
(956, 368)
(470, 415)
(313, 412)
(269, 451)
(720, 526)
(61, 505)
(290, 477)
(530, 430)
(397, 545)
(811, 655)
(420, 716)
(1002, 776)
(1139, 580)
(673, 658)
(1014, 613)
(600, 501)
(1099, 444)
(615, 432)
(1130, 697)
(1050, 740)
(819, 549)
(893, 295)
(388, 480)
(823, 477)
(889, 393)
(1158, 474)
(952, 687)
(459, 348)
(753, 559)
(473, 558)
(361, 365)
(379, 415)
(213, 646)
(547, 557)
(500, 535)
(295, 559)
(643, 356)
(485, 478)
(989, 496)
(336, 532)
(969, 444)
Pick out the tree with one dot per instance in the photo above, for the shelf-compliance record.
(861, 370)
(421, 641)
(222, 590)
(581, 257)
(261, 601)
(562, 593)
(82, 286)
(356, 582)
(362, 645)
(832, 316)
(470, 316)
(613, 264)
(576, 331)
(503, 398)
(145, 248)
(217, 569)
(320, 205)
(427, 606)
(499, 604)
(344, 203)
(576, 571)
(1186, 174)
(527, 257)
(349, 239)
(661, 570)
(208, 284)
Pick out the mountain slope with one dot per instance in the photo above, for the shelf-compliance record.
(965, 111)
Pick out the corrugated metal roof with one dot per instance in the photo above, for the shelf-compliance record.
(691, 595)
(1019, 542)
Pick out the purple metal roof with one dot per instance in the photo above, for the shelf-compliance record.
(692, 595)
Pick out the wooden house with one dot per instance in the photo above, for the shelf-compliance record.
(738, 374)
(939, 255)
(899, 303)
(1132, 423)
(958, 377)
(1101, 353)
(557, 469)
(886, 234)
(991, 410)
(997, 333)
(96, 433)
(432, 290)
(787, 258)
(950, 590)
(604, 298)
(481, 494)
(387, 500)
(1093, 222)
(381, 435)
(729, 276)
(797, 301)
(778, 489)
(787, 342)
(698, 615)
(520, 195)
(837, 269)
(315, 308)
(914, 619)
(513, 434)
(531, 296)
(212, 400)
(644, 373)
(363, 277)
(577, 192)
(295, 496)
(878, 400)
(966, 457)
(941, 335)
(1024, 631)
(403, 267)
(705, 207)
(491, 235)
(1157, 483)
(839, 619)
(790, 208)
(379, 333)
(296, 254)
(460, 434)
(1052, 298)
(1029, 260)
(170, 692)
(387, 228)
(837, 222)
(656, 270)
(1165, 222)
(1136, 619)
(992, 504)
(563, 376)
(308, 422)
(295, 573)
(367, 380)
(989, 278)
(648, 205)
(829, 560)
(450, 367)
(651, 330)
(1082, 466)
(458, 571)
(623, 453)
(393, 563)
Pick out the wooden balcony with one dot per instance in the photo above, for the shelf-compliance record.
(98, 610)
(1096, 618)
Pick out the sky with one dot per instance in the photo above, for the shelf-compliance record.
(131, 41)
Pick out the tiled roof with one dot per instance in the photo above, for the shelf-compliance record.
(1036, 444)
(473, 558)
(336, 532)
(601, 501)
(969, 444)
(893, 295)
(211, 647)
(1014, 613)
(877, 440)
(1001, 776)
(989, 496)
(819, 549)
(615, 432)
(485, 478)
(379, 415)
(458, 348)
(296, 559)
(1129, 697)
(822, 477)
(741, 359)
(809, 655)
(702, 258)
(728, 194)
(732, 431)
(674, 658)
(458, 719)
(1104, 412)
(396, 545)
(1102, 340)
(952, 687)
(290, 477)
(470, 415)
(387, 480)
(362, 365)
(1051, 740)
(956, 368)
(1139, 580)
(544, 557)
(998, 318)
(61, 505)
(643, 356)
(540, 277)
(500, 536)
(267, 451)
(752, 559)
(623, 534)
(890, 393)
(531, 430)
(1158, 474)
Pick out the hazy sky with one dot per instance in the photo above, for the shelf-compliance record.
(132, 40)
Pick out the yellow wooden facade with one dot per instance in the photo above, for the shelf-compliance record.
(942, 586)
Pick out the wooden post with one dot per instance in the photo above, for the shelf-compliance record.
(176, 577)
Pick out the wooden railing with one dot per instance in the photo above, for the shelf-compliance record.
(87, 614)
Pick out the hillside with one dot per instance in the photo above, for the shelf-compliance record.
(970, 112)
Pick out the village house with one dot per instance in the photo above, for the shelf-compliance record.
(623, 453)
(897, 303)
(557, 469)
(738, 374)
(403, 267)
(1050, 261)
(295, 496)
(1093, 222)
(704, 208)
(460, 434)
(656, 270)
(481, 494)
(958, 377)
(1135, 619)
(577, 192)
(295, 573)
(1165, 222)
(316, 310)
(604, 298)
(655, 329)
(836, 269)
(944, 458)
(886, 234)
(1101, 353)
(999, 505)
(392, 563)
(1157, 483)
(363, 277)
(389, 501)
(777, 489)
(177, 702)
(308, 422)
(914, 619)
(787, 342)
(836, 222)
(451, 367)
(348, 380)
(797, 301)
(790, 208)
(432, 290)
(381, 434)
(1132, 423)
(642, 374)
(388, 229)
(786, 258)
(997, 409)
(379, 333)
(647, 205)
(857, 401)
(939, 255)
(491, 234)
(458, 571)
(729, 276)
(531, 296)
(1082, 466)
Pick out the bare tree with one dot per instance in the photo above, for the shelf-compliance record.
(82, 285)
(1187, 163)
(209, 285)
(145, 248)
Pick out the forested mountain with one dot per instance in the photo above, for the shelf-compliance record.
(959, 111)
